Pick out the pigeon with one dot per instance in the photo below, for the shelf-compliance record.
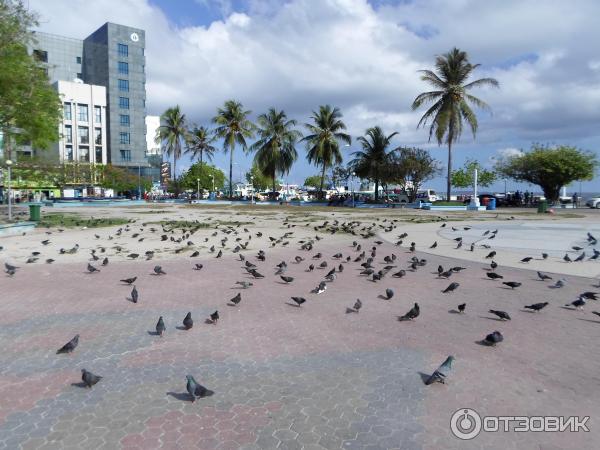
(589, 295)
(160, 326)
(299, 300)
(399, 274)
(493, 265)
(543, 276)
(49, 261)
(134, 295)
(412, 314)
(559, 283)
(494, 338)
(389, 293)
(580, 257)
(159, 271)
(544, 255)
(446, 274)
(92, 269)
(434, 245)
(244, 284)
(357, 305)
(214, 317)
(472, 247)
(490, 255)
(89, 379)
(494, 276)
(451, 287)
(596, 312)
(441, 373)
(440, 269)
(195, 254)
(311, 268)
(195, 389)
(198, 266)
(287, 279)
(255, 274)
(526, 259)
(69, 346)
(458, 269)
(501, 314)
(237, 299)
(129, 281)
(579, 303)
(566, 258)
(188, 322)
(322, 287)
(105, 262)
(461, 307)
(512, 284)
(537, 306)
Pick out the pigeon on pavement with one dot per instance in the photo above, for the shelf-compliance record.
(441, 373)
(196, 390)
(89, 379)
(69, 346)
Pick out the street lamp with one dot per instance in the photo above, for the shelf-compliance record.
(8, 166)
(353, 175)
(252, 191)
(198, 194)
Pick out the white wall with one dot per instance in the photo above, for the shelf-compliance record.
(152, 124)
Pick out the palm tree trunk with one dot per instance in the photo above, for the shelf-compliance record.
(274, 185)
(376, 189)
(449, 179)
(322, 181)
(200, 158)
(230, 173)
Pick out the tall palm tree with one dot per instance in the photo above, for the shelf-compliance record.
(171, 133)
(322, 143)
(233, 126)
(275, 147)
(199, 142)
(452, 101)
(371, 160)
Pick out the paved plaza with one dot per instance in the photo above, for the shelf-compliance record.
(309, 377)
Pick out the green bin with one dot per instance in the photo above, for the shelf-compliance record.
(543, 206)
(35, 212)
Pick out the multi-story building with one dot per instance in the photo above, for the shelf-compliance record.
(111, 58)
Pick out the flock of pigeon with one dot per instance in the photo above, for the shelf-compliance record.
(364, 258)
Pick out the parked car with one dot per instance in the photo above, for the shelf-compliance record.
(593, 202)
(428, 195)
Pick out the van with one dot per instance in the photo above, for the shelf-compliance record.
(427, 195)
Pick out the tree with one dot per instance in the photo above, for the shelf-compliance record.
(204, 173)
(464, 177)
(199, 142)
(171, 133)
(410, 167)
(370, 161)
(30, 108)
(275, 147)
(322, 143)
(452, 101)
(259, 180)
(234, 127)
(550, 167)
(121, 180)
(313, 181)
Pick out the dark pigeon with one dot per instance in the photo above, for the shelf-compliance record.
(69, 346)
(188, 322)
(537, 306)
(412, 314)
(89, 379)
(160, 326)
(501, 314)
(195, 389)
(451, 287)
(494, 338)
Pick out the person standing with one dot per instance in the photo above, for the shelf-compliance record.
(575, 199)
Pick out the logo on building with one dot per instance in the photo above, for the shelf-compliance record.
(165, 173)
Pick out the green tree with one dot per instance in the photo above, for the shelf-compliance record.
(410, 167)
(451, 100)
(121, 180)
(30, 108)
(464, 177)
(171, 134)
(257, 178)
(322, 143)
(204, 173)
(234, 127)
(275, 148)
(313, 181)
(550, 167)
(371, 160)
(199, 143)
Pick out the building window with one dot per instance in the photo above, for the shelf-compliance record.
(123, 102)
(84, 135)
(67, 110)
(123, 68)
(82, 112)
(79, 75)
(68, 134)
(98, 136)
(78, 59)
(124, 137)
(84, 154)
(69, 153)
(40, 55)
(125, 155)
(98, 114)
(123, 50)
(124, 85)
(124, 119)
(99, 155)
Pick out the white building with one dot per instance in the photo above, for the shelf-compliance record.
(83, 127)
(152, 125)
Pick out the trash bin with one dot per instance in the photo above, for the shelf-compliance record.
(485, 201)
(543, 206)
(35, 210)
(491, 204)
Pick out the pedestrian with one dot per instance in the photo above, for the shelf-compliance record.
(575, 199)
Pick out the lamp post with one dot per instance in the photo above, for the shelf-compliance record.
(353, 175)
(252, 191)
(8, 165)
(198, 194)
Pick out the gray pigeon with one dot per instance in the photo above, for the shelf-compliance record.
(389, 293)
(451, 287)
(134, 295)
(237, 299)
(160, 326)
(92, 269)
(188, 322)
(501, 314)
(89, 379)
(69, 346)
(543, 276)
(559, 283)
(159, 271)
(494, 338)
(357, 305)
(244, 284)
(442, 372)
(195, 389)
(412, 314)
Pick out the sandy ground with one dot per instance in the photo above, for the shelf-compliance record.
(288, 377)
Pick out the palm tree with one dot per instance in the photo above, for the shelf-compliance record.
(452, 100)
(171, 133)
(233, 126)
(371, 161)
(275, 147)
(199, 142)
(322, 143)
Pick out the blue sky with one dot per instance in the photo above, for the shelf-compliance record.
(363, 56)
